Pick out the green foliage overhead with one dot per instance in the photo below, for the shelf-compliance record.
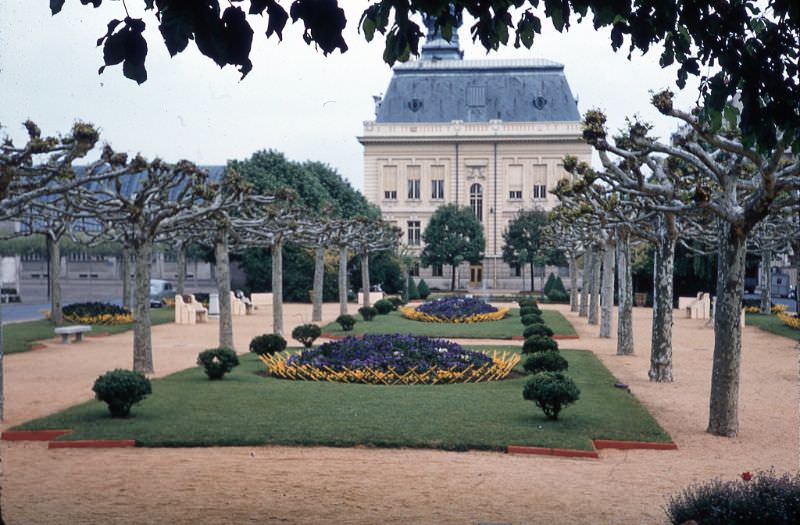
(736, 46)
(452, 236)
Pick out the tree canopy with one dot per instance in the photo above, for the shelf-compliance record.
(453, 235)
(522, 242)
(734, 46)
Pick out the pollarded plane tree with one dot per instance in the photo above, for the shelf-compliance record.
(318, 240)
(42, 169)
(342, 238)
(271, 226)
(735, 182)
(560, 233)
(372, 236)
(139, 209)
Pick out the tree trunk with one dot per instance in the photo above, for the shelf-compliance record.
(142, 345)
(54, 279)
(277, 288)
(766, 281)
(2, 368)
(182, 268)
(625, 301)
(406, 275)
(365, 286)
(607, 298)
(319, 282)
(586, 281)
(594, 287)
(452, 280)
(573, 282)
(343, 281)
(533, 288)
(723, 419)
(663, 271)
(126, 278)
(223, 273)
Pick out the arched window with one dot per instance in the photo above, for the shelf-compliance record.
(476, 200)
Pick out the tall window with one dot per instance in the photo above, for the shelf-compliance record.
(515, 182)
(413, 182)
(476, 200)
(414, 270)
(413, 233)
(390, 183)
(539, 181)
(437, 182)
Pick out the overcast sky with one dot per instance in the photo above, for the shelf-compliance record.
(295, 100)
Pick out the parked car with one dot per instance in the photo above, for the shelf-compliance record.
(160, 290)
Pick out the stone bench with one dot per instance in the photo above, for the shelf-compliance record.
(76, 330)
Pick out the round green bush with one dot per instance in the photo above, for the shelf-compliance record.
(267, 344)
(530, 310)
(396, 301)
(217, 361)
(551, 391)
(384, 306)
(539, 343)
(526, 301)
(763, 497)
(368, 312)
(558, 296)
(537, 329)
(545, 362)
(346, 321)
(306, 334)
(120, 389)
(530, 319)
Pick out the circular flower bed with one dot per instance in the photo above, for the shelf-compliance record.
(454, 310)
(391, 359)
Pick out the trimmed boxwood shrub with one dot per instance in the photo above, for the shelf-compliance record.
(531, 319)
(306, 334)
(526, 301)
(545, 362)
(413, 292)
(539, 343)
(423, 289)
(397, 301)
(384, 306)
(368, 312)
(346, 321)
(551, 391)
(120, 389)
(537, 329)
(762, 497)
(217, 361)
(267, 344)
(557, 296)
(530, 310)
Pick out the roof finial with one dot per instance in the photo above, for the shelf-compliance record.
(436, 47)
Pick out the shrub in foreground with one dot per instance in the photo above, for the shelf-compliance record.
(545, 362)
(346, 321)
(529, 310)
(551, 391)
(537, 329)
(530, 319)
(762, 497)
(368, 312)
(526, 301)
(217, 361)
(384, 306)
(306, 334)
(120, 389)
(267, 344)
(539, 343)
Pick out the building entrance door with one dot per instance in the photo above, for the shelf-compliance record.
(475, 275)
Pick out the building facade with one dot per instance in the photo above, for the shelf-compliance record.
(488, 134)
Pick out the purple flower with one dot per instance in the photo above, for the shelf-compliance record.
(455, 307)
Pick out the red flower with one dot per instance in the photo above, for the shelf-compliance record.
(747, 476)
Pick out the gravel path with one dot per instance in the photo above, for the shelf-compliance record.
(366, 486)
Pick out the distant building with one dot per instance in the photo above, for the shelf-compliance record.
(489, 134)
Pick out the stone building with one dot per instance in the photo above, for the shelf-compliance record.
(489, 134)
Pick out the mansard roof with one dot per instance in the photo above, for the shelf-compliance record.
(434, 90)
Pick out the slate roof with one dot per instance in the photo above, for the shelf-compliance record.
(430, 90)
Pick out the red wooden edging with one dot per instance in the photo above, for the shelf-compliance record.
(33, 435)
(633, 445)
(544, 451)
(93, 443)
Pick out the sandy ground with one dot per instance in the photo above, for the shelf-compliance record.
(328, 485)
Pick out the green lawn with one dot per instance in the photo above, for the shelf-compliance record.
(19, 337)
(771, 324)
(186, 409)
(395, 323)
